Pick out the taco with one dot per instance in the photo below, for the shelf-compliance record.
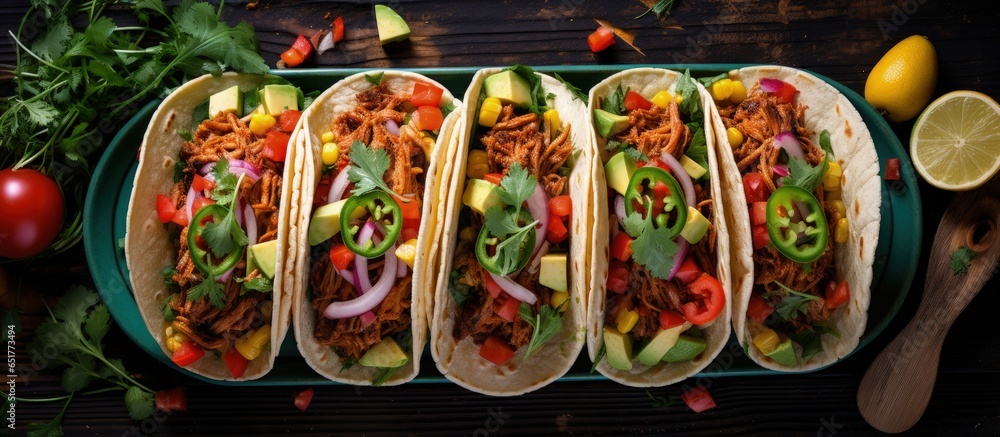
(373, 144)
(804, 209)
(660, 290)
(208, 222)
(509, 307)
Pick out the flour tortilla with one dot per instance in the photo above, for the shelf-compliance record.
(338, 99)
(459, 361)
(647, 82)
(854, 149)
(148, 248)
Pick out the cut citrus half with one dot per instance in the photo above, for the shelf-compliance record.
(955, 143)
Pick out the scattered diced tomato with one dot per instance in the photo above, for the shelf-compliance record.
(621, 246)
(322, 191)
(201, 184)
(698, 399)
(236, 362)
(496, 350)
(634, 100)
(428, 118)
(508, 309)
(601, 39)
(288, 119)
(411, 209)
(561, 206)
(837, 294)
(786, 94)
(617, 277)
(669, 319)
(493, 178)
(557, 232)
(200, 202)
(492, 287)
(275, 146)
(892, 169)
(165, 208)
(181, 217)
(170, 400)
(292, 57)
(708, 300)
(758, 309)
(187, 353)
(761, 238)
(341, 256)
(304, 398)
(425, 94)
(688, 271)
(338, 29)
(302, 45)
(754, 188)
(411, 228)
(758, 213)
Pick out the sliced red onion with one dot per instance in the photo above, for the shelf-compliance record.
(681, 175)
(771, 85)
(361, 263)
(780, 169)
(786, 140)
(370, 299)
(537, 260)
(192, 195)
(224, 278)
(241, 167)
(348, 275)
(206, 169)
(367, 319)
(538, 206)
(392, 127)
(251, 225)
(514, 289)
(326, 43)
(356, 278)
(682, 249)
(314, 39)
(620, 210)
(802, 209)
(238, 212)
(338, 186)
(401, 270)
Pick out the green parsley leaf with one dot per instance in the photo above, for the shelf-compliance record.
(659, 9)
(538, 94)
(382, 375)
(546, 324)
(601, 352)
(708, 81)
(259, 283)
(794, 304)
(577, 94)
(652, 248)
(208, 287)
(375, 79)
(960, 259)
(368, 170)
(803, 175)
(615, 102)
(518, 185)
(139, 403)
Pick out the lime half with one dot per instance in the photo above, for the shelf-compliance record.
(955, 143)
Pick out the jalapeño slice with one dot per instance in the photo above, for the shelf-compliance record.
(379, 207)
(656, 187)
(203, 258)
(797, 224)
(487, 240)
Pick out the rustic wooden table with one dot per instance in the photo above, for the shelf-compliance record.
(841, 40)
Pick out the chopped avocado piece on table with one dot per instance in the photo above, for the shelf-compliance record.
(618, 171)
(325, 221)
(384, 354)
(618, 347)
(277, 98)
(481, 195)
(265, 256)
(686, 349)
(609, 124)
(391, 27)
(552, 272)
(227, 100)
(653, 351)
(508, 87)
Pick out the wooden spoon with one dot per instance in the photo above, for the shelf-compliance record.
(897, 387)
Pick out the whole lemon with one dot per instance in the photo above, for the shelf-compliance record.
(902, 82)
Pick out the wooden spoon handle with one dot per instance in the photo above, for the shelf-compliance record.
(897, 387)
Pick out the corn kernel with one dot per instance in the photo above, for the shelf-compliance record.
(831, 179)
(679, 99)
(735, 137)
(626, 321)
(428, 144)
(407, 252)
(839, 206)
(331, 153)
(172, 345)
(169, 331)
(328, 137)
(489, 111)
(841, 231)
(478, 164)
(557, 300)
(552, 124)
(766, 341)
(251, 344)
(739, 92)
(662, 99)
(260, 123)
(721, 89)
(467, 234)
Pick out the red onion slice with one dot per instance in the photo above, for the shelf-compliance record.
(786, 140)
(361, 263)
(338, 186)
(371, 298)
(224, 278)
(780, 169)
(537, 260)
(326, 43)
(392, 127)
(769, 85)
(251, 223)
(682, 250)
(367, 319)
(514, 289)
(192, 196)
(538, 206)
(206, 169)
(681, 175)
(620, 209)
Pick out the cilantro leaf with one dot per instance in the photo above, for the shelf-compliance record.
(139, 403)
(51, 45)
(49, 429)
(615, 146)
(708, 81)
(368, 170)
(75, 378)
(803, 175)
(500, 223)
(824, 142)
(652, 248)
(518, 185)
(348, 363)
(615, 102)
(811, 340)
(698, 149)
(259, 283)
(168, 312)
(97, 325)
(659, 9)
(960, 259)
(601, 352)
(547, 323)
(659, 401)
(226, 183)
(577, 94)
(382, 375)
(375, 79)
(538, 94)
(691, 103)
(794, 304)
(73, 307)
(225, 236)
(208, 287)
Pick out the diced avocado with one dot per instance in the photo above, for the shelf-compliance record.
(618, 347)
(251, 262)
(227, 100)
(609, 124)
(692, 168)
(686, 349)
(508, 87)
(552, 272)
(481, 195)
(618, 171)
(784, 353)
(277, 98)
(384, 354)
(696, 226)
(325, 222)
(265, 256)
(653, 351)
(391, 27)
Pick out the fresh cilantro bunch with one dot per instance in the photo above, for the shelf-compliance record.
(516, 187)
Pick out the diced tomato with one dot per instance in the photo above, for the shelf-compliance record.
(508, 309)
(837, 294)
(688, 271)
(201, 184)
(425, 94)
(411, 209)
(165, 208)
(304, 398)
(669, 319)
(496, 350)
(275, 146)
(181, 217)
(634, 100)
(758, 309)
(322, 191)
(658, 163)
(891, 169)
(661, 189)
(786, 94)
(758, 213)
(187, 353)
(303, 46)
(754, 188)
(557, 231)
(492, 287)
(411, 228)
(561, 206)
(338, 29)
(710, 300)
(621, 246)
(170, 400)
(200, 202)
(288, 119)
(428, 118)
(341, 256)
(617, 277)
(236, 362)
(698, 399)
(643, 311)
(601, 39)
(493, 178)
(761, 238)
(292, 57)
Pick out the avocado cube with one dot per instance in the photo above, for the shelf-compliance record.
(552, 272)
(391, 27)
(385, 353)
(277, 98)
(653, 351)
(696, 226)
(609, 124)
(693, 169)
(784, 353)
(265, 256)
(618, 171)
(686, 349)
(508, 87)
(325, 222)
(227, 100)
(481, 195)
(618, 347)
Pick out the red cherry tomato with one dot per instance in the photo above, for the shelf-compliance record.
(601, 39)
(754, 188)
(31, 212)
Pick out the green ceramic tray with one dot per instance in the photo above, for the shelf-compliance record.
(108, 195)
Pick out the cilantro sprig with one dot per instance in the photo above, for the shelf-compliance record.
(960, 260)
(808, 177)
(515, 188)
(615, 102)
(653, 247)
(573, 89)
(546, 324)
(368, 170)
(660, 9)
(794, 304)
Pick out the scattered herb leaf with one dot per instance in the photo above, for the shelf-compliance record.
(960, 259)
(547, 323)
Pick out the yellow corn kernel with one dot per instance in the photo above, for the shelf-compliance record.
(557, 300)
(169, 331)
(552, 124)
(251, 344)
(407, 252)
(766, 341)
(840, 233)
(467, 234)
(721, 89)
(626, 321)
(489, 111)
(328, 137)
(735, 137)
(331, 153)
(831, 179)
(428, 143)
(679, 99)
(260, 123)
(837, 205)
(662, 99)
(478, 164)
(739, 92)
(172, 345)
